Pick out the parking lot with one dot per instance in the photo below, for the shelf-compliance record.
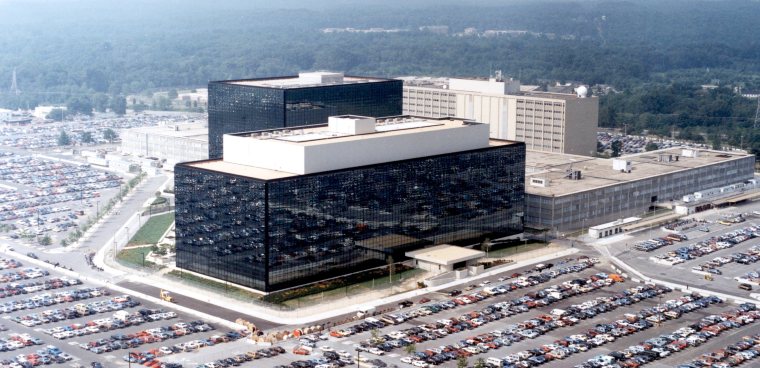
(573, 312)
(715, 258)
(45, 136)
(53, 319)
(41, 197)
(567, 318)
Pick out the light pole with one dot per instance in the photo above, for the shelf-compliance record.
(127, 241)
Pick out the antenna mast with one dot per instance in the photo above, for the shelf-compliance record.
(14, 85)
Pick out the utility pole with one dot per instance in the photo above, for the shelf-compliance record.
(757, 113)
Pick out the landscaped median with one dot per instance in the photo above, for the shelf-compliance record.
(146, 241)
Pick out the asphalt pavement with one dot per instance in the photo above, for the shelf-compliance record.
(200, 306)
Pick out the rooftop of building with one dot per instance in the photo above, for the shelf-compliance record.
(444, 83)
(314, 135)
(304, 80)
(554, 169)
(445, 254)
(196, 131)
(294, 148)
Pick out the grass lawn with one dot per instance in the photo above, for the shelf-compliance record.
(228, 289)
(133, 257)
(514, 249)
(151, 232)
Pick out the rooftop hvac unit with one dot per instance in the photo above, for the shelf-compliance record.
(574, 175)
(539, 182)
(622, 165)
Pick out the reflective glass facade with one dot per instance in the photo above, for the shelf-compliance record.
(275, 234)
(234, 108)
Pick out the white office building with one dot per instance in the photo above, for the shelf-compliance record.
(171, 142)
(547, 122)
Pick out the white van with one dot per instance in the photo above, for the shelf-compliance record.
(495, 362)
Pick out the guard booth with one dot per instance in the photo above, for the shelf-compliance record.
(611, 228)
(444, 258)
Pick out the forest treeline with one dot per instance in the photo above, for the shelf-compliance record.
(656, 54)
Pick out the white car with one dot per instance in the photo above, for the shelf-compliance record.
(407, 360)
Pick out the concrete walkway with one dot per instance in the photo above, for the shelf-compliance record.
(311, 314)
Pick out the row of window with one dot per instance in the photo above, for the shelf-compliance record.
(277, 234)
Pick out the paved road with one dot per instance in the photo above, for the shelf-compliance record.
(199, 305)
(75, 259)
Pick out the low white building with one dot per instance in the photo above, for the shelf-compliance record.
(173, 143)
(444, 258)
(41, 112)
(611, 228)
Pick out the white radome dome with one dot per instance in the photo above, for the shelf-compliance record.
(582, 91)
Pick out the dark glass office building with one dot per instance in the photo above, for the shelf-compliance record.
(255, 104)
(276, 233)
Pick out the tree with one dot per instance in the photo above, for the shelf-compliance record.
(480, 363)
(119, 105)
(410, 349)
(56, 114)
(97, 80)
(486, 246)
(651, 146)
(45, 240)
(79, 105)
(716, 141)
(616, 146)
(86, 137)
(374, 334)
(64, 139)
(162, 103)
(462, 362)
(100, 102)
(173, 94)
(110, 135)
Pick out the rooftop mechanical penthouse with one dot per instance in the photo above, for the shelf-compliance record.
(284, 102)
(288, 207)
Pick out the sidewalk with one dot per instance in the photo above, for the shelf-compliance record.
(321, 311)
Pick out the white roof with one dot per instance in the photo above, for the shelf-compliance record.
(616, 223)
(445, 254)
(325, 148)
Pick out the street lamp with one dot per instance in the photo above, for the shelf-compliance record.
(127, 241)
(129, 358)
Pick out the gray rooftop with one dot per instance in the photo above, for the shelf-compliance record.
(598, 172)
